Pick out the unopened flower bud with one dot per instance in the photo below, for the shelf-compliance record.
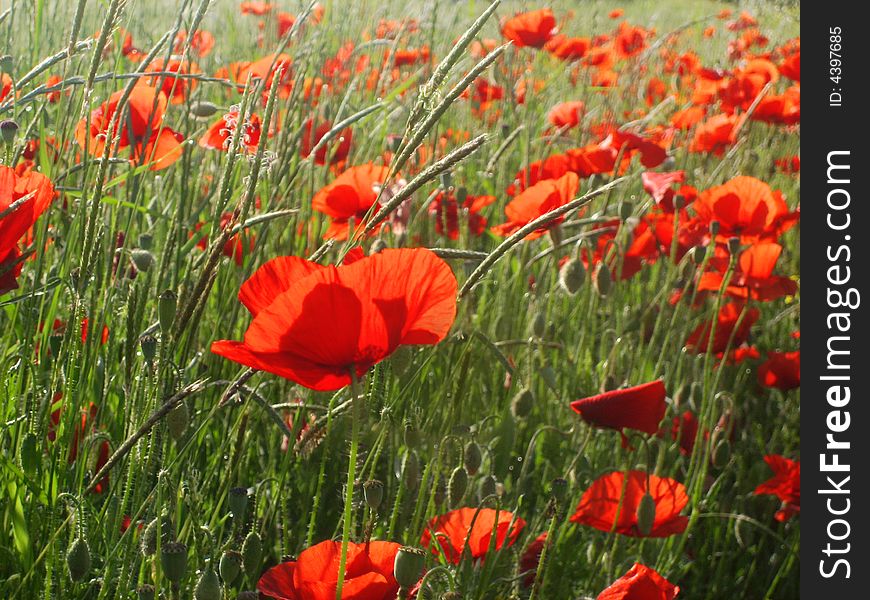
(487, 487)
(698, 254)
(8, 131)
(572, 275)
(237, 499)
(149, 535)
(733, 245)
(646, 514)
(559, 489)
(408, 567)
(148, 343)
(472, 458)
(522, 403)
(410, 470)
(412, 435)
(252, 553)
(142, 259)
(456, 486)
(177, 420)
(78, 559)
(145, 592)
(208, 586)
(167, 304)
(373, 493)
(539, 324)
(679, 201)
(173, 559)
(29, 454)
(714, 228)
(230, 565)
(203, 109)
(603, 280)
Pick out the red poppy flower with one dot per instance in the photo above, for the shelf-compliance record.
(201, 43)
(789, 164)
(336, 150)
(688, 117)
(747, 208)
(454, 531)
(314, 323)
(220, 134)
(566, 114)
(592, 159)
(640, 583)
(616, 13)
(683, 429)
(314, 574)
(234, 248)
(660, 187)
(791, 66)
(726, 329)
(715, 134)
(568, 48)
(640, 407)
(531, 557)
(784, 109)
(785, 485)
(532, 29)
(781, 370)
(753, 277)
(350, 196)
(641, 247)
(600, 505)
(552, 167)
(536, 201)
(255, 8)
(39, 191)
(176, 88)
(446, 209)
(651, 153)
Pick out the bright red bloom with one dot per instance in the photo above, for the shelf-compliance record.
(781, 370)
(234, 247)
(683, 430)
(600, 505)
(446, 209)
(255, 8)
(454, 531)
(532, 29)
(219, 135)
(568, 48)
(350, 196)
(336, 149)
(616, 13)
(640, 407)
(553, 167)
(726, 327)
(785, 485)
(566, 114)
(314, 575)
(536, 201)
(640, 583)
(715, 134)
(176, 88)
(747, 208)
(201, 43)
(314, 323)
(791, 66)
(641, 248)
(15, 224)
(531, 557)
(753, 277)
(659, 186)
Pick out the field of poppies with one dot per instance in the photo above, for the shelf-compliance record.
(376, 300)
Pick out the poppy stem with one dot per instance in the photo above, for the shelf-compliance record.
(356, 406)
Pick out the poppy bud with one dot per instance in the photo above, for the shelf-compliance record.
(698, 254)
(721, 453)
(646, 514)
(6, 63)
(376, 246)
(146, 240)
(203, 109)
(208, 587)
(78, 559)
(252, 552)
(173, 559)
(373, 493)
(410, 470)
(549, 376)
(8, 130)
(472, 458)
(679, 201)
(603, 280)
(456, 486)
(539, 324)
(142, 259)
(625, 209)
(714, 228)
(487, 487)
(166, 306)
(145, 592)
(412, 435)
(733, 245)
(572, 275)
(149, 536)
(408, 567)
(148, 343)
(559, 489)
(30, 457)
(230, 566)
(522, 403)
(177, 420)
(446, 180)
(238, 503)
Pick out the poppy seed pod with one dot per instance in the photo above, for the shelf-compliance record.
(679, 201)
(472, 458)
(237, 499)
(646, 514)
(698, 254)
(166, 306)
(6, 63)
(733, 245)
(8, 130)
(145, 592)
(177, 420)
(78, 559)
(29, 454)
(714, 228)
(142, 259)
(456, 486)
(603, 280)
(408, 566)
(522, 403)
(230, 565)
(208, 586)
(572, 275)
(412, 435)
(373, 493)
(148, 343)
(252, 552)
(539, 324)
(203, 109)
(173, 559)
